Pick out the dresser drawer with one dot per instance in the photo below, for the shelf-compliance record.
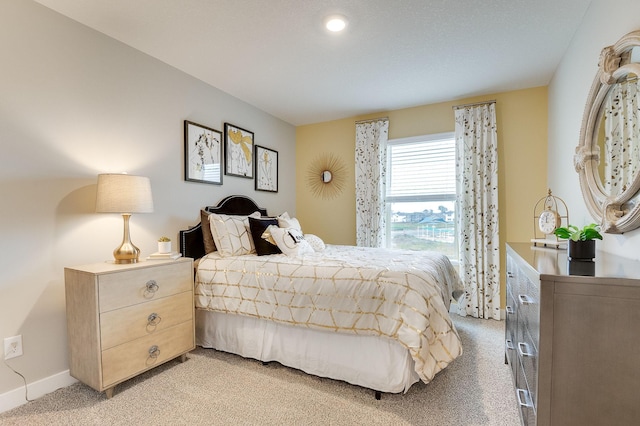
(511, 327)
(528, 356)
(130, 287)
(529, 313)
(130, 323)
(524, 397)
(127, 360)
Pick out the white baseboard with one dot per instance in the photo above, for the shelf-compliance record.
(15, 398)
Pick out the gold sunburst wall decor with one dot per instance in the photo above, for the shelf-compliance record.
(326, 176)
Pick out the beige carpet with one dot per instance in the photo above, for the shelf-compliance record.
(214, 388)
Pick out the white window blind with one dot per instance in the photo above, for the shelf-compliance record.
(421, 168)
(421, 194)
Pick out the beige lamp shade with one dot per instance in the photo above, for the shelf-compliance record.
(124, 194)
(121, 193)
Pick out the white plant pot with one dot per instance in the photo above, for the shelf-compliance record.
(164, 246)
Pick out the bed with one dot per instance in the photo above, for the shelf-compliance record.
(374, 318)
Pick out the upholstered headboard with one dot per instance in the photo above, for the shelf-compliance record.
(191, 240)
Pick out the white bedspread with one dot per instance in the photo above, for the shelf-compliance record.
(403, 295)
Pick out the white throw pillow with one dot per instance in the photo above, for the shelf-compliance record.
(290, 241)
(284, 221)
(231, 234)
(315, 242)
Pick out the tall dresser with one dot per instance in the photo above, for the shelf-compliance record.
(125, 319)
(573, 337)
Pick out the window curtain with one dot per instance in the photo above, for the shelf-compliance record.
(621, 136)
(371, 165)
(477, 206)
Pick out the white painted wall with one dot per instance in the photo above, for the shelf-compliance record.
(604, 23)
(75, 103)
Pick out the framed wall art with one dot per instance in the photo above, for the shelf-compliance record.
(202, 154)
(266, 169)
(238, 146)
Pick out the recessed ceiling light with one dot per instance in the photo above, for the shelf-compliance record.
(335, 23)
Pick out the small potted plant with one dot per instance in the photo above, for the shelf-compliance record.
(164, 245)
(582, 241)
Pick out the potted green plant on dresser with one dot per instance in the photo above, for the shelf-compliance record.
(582, 241)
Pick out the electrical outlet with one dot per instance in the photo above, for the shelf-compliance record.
(12, 347)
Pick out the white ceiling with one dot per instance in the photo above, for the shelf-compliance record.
(275, 54)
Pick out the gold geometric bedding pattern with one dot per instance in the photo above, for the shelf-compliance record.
(398, 294)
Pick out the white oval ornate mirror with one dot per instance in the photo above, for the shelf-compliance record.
(326, 176)
(608, 155)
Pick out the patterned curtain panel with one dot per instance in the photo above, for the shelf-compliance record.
(621, 136)
(477, 204)
(371, 165)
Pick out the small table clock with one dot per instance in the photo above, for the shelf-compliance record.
(549, 214)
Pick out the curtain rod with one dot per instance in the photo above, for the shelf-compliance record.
(371, 120)
(474, 104)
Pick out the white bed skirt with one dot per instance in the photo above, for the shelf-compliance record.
(372, 362)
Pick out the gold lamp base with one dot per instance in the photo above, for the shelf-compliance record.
(127, 252)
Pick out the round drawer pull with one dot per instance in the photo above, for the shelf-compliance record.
(154, 352)
(150, 288)
(154, 319)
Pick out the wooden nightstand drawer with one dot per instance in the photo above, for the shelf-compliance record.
(145, 319)
(127, 360)
(135, 286)
(117, 313)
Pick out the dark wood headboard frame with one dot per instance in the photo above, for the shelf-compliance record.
(191, 243)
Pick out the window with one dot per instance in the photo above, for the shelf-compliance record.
(421, 194)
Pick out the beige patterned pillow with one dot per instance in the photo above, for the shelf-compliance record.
(231, 234)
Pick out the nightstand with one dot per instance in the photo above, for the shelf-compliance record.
(126, 319)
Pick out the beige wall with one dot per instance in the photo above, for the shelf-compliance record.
(522, 142)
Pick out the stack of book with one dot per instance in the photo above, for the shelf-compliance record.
(164, 256)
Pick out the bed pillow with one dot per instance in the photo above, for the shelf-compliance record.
(207, 238)
(290, 241)
(231, 234)
(257, 227)
(315, 242)
(285, 221)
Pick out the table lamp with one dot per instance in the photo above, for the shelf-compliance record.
(124, 194)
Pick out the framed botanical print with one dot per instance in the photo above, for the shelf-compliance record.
(266, 169)
(238, 147)
(202, 154)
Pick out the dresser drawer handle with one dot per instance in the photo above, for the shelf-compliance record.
(509, 274)
(509, 310)
(154, 352)
(523, 348)
(154, 319)
(525, 300)
(509, 344)
(151, 287)
(524, 399)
